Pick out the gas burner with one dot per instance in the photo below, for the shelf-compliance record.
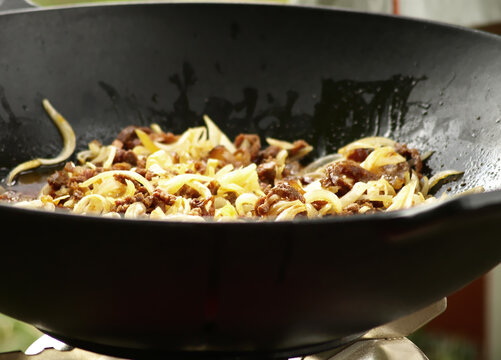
(387, 342)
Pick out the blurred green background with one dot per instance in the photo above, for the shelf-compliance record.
(15, 335)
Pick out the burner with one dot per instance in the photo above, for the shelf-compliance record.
(387, 342)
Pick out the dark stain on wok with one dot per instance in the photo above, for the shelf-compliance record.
(346, 109)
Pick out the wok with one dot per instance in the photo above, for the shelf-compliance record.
(140, 288)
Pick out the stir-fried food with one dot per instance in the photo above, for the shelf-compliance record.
(201, 174)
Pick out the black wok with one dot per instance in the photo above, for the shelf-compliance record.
(139, 288)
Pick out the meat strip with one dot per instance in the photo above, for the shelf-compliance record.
(345, 174)
(412, 154)
(267, 172)
(358, 155)
(129, 138)
(125, 156)
(158, 198)
(282, 191)
(395, 174)
(298, 145)
(249, 143)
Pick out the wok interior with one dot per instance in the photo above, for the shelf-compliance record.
(328, 77)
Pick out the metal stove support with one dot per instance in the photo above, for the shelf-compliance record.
(387, 342)
(380, 349)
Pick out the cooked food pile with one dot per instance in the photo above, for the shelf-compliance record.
(200, 174)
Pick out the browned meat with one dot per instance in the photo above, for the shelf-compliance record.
(129, 138)
(319, 204)
(296, 185)
(262, 206)
(351, 209)
(286, 192)
(201, 206)
(231, 197)
(249, 143)
(188, 192)
(141, 163)
(81, 174)
(241, 158)
(298, 145)
(291, 170)
(166, 138)
(175, 157)
(121, 178)
(270, 152)
(412, 154)
(125, 156)
(62, 178)
(282, 191)
(395, 174)
(355, 208)
(157, 199)
(118, 144)
(123, 204)
(213, 186)
(358, 155)
(222, 154)
(200, 166)
(267, 172)
(148, 175)
(345, 174)
(121, 166)
(58, 180)
(163, 197)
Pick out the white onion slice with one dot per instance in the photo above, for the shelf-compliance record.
(69, 144)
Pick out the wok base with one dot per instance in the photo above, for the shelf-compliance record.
(386, 342)
(134, 353)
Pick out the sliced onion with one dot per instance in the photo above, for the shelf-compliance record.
(435, 179)
(217, 137)
(372, 142)
(131, 174)
(354, 194)
(146, 141)
(279, 143)
(69, 144)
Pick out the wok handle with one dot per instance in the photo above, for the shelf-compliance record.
(6, 5)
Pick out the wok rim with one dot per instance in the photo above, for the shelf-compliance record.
(459, 205)
(252, 3)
